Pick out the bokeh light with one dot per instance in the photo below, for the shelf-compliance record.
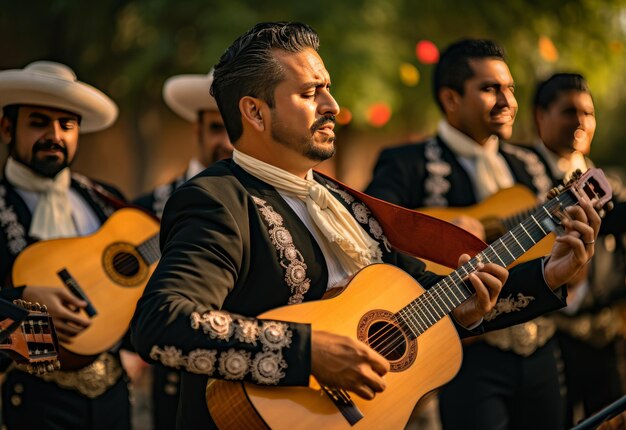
(426, 52)
(547, 50)
(344, 117)
(409, 74)
(378, 114)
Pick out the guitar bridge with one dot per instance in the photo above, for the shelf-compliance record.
(345, 404)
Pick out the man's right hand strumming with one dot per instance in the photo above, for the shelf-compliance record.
(342, 362)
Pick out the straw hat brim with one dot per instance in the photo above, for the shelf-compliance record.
(187, 95)
(24, 87)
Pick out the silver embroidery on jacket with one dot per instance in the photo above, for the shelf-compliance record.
(533, 165)
(14, 231)
(267, 368)
(290, 258)
(363, 215)
(509, 304)
(435, 184)
(200, 361)
(275, 335)
(217, 324)
(234, 364)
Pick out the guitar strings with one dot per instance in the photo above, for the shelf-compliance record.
(391, 343)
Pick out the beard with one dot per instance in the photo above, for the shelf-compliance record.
(46, 165)
(305, 145)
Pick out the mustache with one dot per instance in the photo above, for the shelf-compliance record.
(322, 121)
(49, 145)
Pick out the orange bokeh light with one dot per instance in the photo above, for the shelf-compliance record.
(378, 114)
(548, 50)
(344, 117)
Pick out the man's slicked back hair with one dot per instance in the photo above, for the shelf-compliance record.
(549, 90)
(454, 68)
(249, 68)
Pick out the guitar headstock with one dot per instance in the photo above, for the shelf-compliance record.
(593, 183)
(34, 343)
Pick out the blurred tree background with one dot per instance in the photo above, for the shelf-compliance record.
(379, 54)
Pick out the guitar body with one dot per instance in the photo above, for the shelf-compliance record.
(375, 293)
(107, 267)
(492, 212)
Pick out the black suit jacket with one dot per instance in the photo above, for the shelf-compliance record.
(400, 173)
(224, 248)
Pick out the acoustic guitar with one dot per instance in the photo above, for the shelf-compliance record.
(108, 269)
(498, 214)
(388, 310)
(31, 339)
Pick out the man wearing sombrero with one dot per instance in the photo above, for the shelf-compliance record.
(188, 96)
(44, 109)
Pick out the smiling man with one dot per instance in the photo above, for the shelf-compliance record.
(263, 230)
(467, 161)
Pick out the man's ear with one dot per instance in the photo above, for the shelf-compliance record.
(450, 99)
(251, 109)
(6, 129)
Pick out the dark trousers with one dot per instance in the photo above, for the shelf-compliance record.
(165, 395)
(591, 375)
(500, 390)
(29, 402)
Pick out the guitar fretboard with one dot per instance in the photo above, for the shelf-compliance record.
(451, 291)
(149, 250)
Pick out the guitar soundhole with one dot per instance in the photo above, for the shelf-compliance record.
(387, 339)
(380, 330)
(126, 264)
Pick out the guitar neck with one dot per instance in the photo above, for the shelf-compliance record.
(451, 291)
(149, 250)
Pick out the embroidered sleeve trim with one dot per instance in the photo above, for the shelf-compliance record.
(509, 304)
(217, 324)
(234, 364)
(290, 257)
(267, 368)
(275, 335)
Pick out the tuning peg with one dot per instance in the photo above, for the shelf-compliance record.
(57, 364)
(554, 192)
(44, 309)
(609, 206)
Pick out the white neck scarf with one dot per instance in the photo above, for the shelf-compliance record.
(492, 172)
(53, 215)
(354, 247)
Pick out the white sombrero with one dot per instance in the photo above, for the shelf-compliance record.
(189, 94)
(54, 85)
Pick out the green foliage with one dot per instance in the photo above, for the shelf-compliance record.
(128, 48)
